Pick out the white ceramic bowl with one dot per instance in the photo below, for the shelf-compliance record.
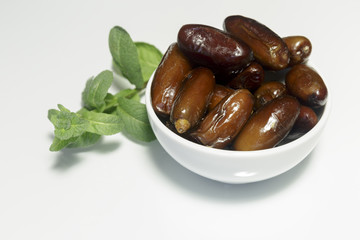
(235, 166)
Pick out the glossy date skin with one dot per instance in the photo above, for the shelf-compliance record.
(269, 125)
(212, 48)
(307, 85)
(193, 99)
(250, 78)
(268, 48)
(267, 92)
(299, 47)
(250, 63)
(220, 92)
(306, 120)
(167, 80)
(223, 123)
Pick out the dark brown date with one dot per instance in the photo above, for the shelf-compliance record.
(269, 125)
(220, 92)
(212, 48)
(193, 99)
(224, 122)
(307, 85)
(268, 48)
(306, 120)
(250, 78)
(167, 79)
(299, 47)
(267, 92)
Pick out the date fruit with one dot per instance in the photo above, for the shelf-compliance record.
(267, 92)
(307, 85)
(306, 120)
(269, 125)
(223, 123)
(193, 99)
(250, 78)
(241, 88)
(167, 79)
(212, 48)
(299, 47)
(268, 48)
(220, 91)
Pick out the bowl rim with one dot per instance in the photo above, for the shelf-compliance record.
(233, 153)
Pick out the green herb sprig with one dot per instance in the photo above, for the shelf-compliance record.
(103, 113)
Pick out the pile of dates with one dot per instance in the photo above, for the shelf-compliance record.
(212, 86)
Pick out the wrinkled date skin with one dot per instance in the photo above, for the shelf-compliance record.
(212, 48)
(268, 48)
(306, 120)
(167, 80)
(269, 125)
(220, 92)
(307, 85)
(250, 78)
(267, 92)
(299, 47)
(240, 88)
(223, 123)
(193, 99)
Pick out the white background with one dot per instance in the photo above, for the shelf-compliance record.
(121, 189)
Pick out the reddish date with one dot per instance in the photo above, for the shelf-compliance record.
(212, 48)
(268, 92)
(268, 48)
(193, 99)
(307, 85)
(250, 78)
(269, 125)
(167, 79)
(299, 47)
(223, 123)
(220, 92)
(202, 89)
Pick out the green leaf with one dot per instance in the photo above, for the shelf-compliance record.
(136, 122)
(59, 144)
(129, 94)
(85, 140)
(63, 109)
(112, 100)
(96, 89)
(67, 124)
(52, 115)
(149, 58)
(102, 123)
(124, 53)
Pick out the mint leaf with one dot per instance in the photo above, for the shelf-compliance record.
(112, 100)
(104, 113)
(85, 140)
(67, 124)
(102, 123)
(149, 58)
(96, 89)
(63, 109)
(59, 144)
(124, 53)
(136, 122)
(129, 94)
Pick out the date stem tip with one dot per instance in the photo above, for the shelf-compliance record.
(182, 125)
